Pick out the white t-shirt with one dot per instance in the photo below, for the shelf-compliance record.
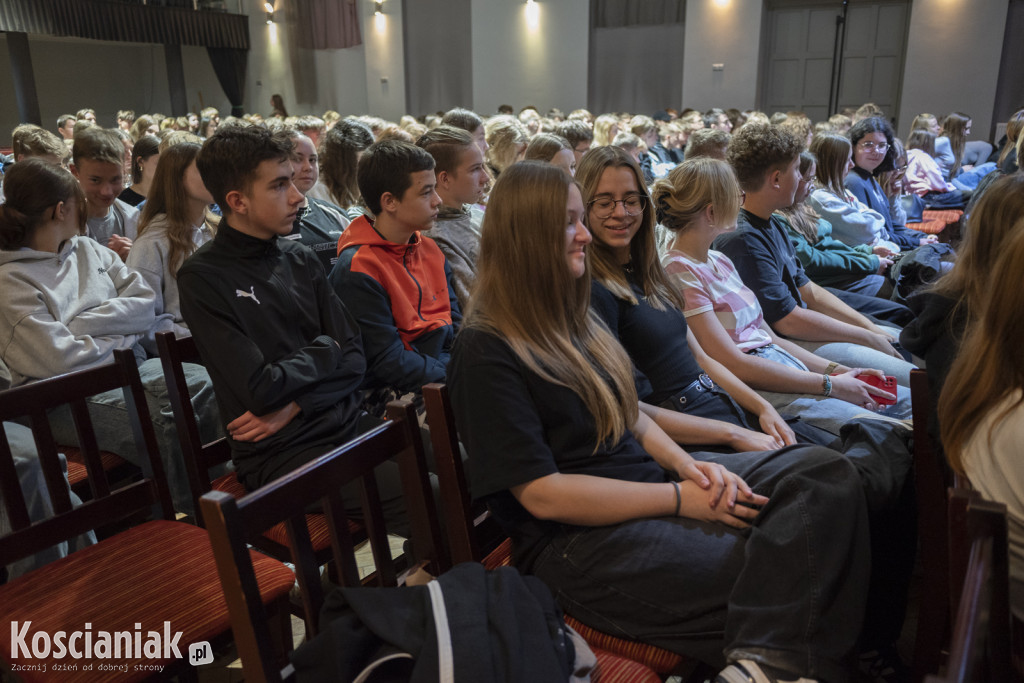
(992, 459)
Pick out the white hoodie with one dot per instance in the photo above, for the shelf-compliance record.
(71, 310)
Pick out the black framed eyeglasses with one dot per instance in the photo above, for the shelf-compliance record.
(604, 207)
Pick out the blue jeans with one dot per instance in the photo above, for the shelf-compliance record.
(857, 356)
(37, 500)
(788, 592)
(829, 414)
(110, 420)
(968, 180)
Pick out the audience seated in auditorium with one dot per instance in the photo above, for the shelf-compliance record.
(716, 118)
(394, 280)
(462, 179)
(174, 224)
(69, 303)
(852, 221)
(635, 298)
(318, 223)
(860, 268)
(699, 201)
(654, 152)
(766, 161)
(30, 141)
(545, 402)
(470, 122)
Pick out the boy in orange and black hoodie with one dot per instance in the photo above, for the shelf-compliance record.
(394, 280)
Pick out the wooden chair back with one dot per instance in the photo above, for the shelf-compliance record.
(931, 482)
(460, 522)
(980, 647)
(233, 523)
(107, 505)
(199, 458)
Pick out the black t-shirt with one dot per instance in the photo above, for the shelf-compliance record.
(655, 340)
(518, 427)
(131, 197)
(766, 262)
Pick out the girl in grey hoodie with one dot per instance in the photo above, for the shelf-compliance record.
(69, 302)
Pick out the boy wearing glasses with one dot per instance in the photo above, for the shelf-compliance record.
(394, 280)
(766, 160)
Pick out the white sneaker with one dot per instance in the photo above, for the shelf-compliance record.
(749, 671)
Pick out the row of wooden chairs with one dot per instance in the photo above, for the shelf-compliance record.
(165, 571)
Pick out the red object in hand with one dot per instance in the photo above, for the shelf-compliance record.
(886, 383)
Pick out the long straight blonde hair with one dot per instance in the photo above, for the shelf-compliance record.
(993, 368)
(526, 295)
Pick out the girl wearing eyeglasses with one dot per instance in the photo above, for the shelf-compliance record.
(872, 142)
(634, 296)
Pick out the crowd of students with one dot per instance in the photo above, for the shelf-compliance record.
(674, 356)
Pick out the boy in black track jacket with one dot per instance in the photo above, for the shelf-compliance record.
(285, 356)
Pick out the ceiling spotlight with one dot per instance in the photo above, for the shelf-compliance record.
(269, 7)
(378, 8)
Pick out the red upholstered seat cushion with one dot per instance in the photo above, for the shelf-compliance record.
(319, 534)
(76, 463)
(500, 556)
(934, 222)
(156, 572)
(661, 661)
(614, 669)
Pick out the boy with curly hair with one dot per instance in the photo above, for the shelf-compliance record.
(766, 160)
